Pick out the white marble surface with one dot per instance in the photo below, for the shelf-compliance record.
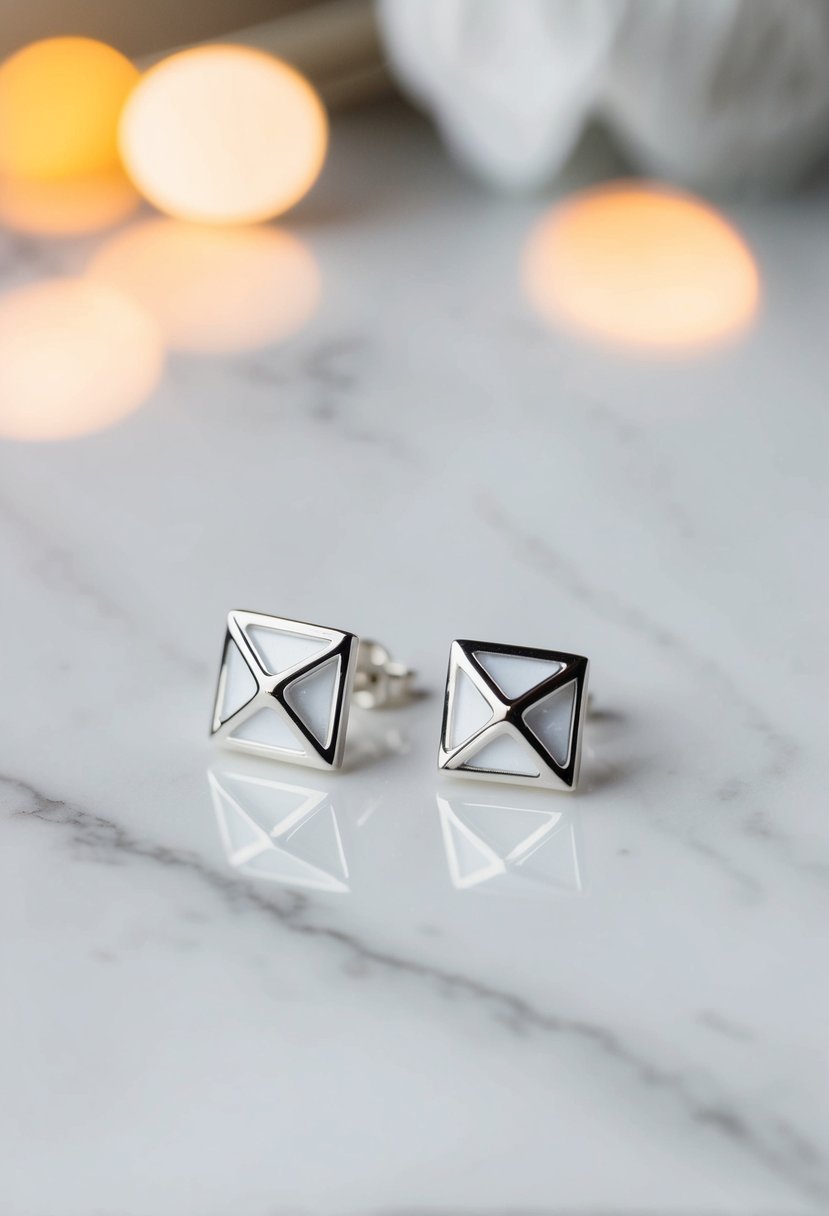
(629, 1016)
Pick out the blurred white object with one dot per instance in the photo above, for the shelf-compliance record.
(714, 92)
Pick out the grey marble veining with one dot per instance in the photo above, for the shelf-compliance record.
(424, 999)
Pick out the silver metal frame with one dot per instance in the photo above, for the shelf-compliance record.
(366, 670)
(508, 715)
(271, 689)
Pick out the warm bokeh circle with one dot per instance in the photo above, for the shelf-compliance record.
(75, 357)
(213, 290)
(642, 265)
(67, 206)
(60, 102)
(223, 135)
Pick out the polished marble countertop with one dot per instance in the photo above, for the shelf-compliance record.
(426, 996)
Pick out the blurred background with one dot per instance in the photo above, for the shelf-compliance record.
(176, 133)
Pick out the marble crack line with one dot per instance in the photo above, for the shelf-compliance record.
(23, 254)
(54, 565)
(778, 1147)
(334, 368)
(330, 373)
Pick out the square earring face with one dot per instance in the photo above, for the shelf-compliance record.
(284, 689)
(514, 714)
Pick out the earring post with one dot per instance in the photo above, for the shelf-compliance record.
(380, 682)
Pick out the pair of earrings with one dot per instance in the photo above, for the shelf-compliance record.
(510, 713)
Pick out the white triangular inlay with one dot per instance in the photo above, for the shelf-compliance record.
(551, 721)
(470, 711)
(312, 698)
(279, 649)
(268, 728)
(516, 674)
(238, 683)
(504, 754)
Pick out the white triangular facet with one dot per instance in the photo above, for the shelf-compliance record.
(514, 832)
(504, 754)
(316, 839)
(279, 649)
(312, 698)
(268, 728)
(551, 721)
(238, 683)
(471, 861)
(469, 712)
(516, 674)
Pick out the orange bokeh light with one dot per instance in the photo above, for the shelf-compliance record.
(643, 266)
(75, 357)
(222, 135)
(214, 290)
(67, 206)
(60, 101)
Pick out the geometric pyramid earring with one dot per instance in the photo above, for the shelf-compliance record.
(514, 714)
(285, 687)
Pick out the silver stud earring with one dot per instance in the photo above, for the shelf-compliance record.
(514, 714)
(285, 687)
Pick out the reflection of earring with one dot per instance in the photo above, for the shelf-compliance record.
(515, 844)
(285, 687)
(514, 714)
(287, 834)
